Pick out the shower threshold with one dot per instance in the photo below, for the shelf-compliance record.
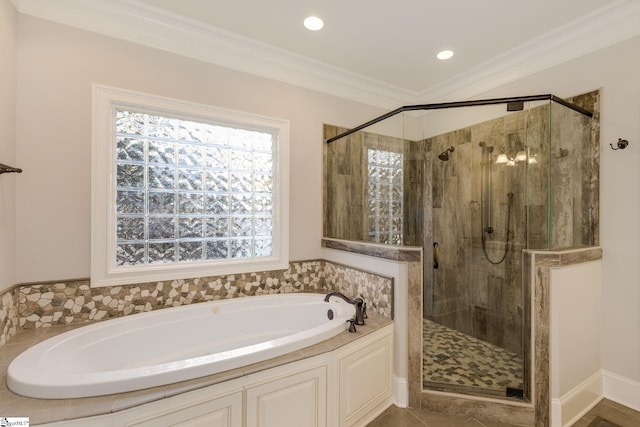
(453, 361)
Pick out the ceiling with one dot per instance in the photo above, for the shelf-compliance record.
(379, 52)
(392, 41)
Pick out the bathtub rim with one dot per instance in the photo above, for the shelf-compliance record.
(111, 382)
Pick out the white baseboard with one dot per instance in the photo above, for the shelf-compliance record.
(621, 390)
(570, 407)
(400, 392)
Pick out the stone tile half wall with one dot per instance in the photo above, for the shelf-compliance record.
(38, 305)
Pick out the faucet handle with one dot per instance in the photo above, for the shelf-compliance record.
(352, 325)
(360, 313)
(364, 311)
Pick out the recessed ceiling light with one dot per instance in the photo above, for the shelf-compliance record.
(313, 23)
(444, 54)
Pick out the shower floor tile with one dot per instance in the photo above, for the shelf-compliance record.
(453, 360)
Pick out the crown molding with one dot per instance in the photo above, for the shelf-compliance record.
(140, 23)
(614, 23)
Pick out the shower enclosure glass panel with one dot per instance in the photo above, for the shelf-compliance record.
(474, 186)
(473, 300)
(573, 184)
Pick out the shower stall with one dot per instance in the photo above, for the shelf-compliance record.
(474, 184)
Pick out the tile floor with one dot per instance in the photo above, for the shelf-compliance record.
(451, 358)
(604, 414)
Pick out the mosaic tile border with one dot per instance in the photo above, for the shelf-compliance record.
(374, 289)
(8, 315)
(64, 303)
(37, 305)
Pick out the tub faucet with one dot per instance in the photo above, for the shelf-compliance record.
(361, 307)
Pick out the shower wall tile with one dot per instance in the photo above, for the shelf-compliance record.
(495, 292)
(414, 332)
(437, 184)
(416, 219)
(39, 305)
(343, 216)
(479, 294)
(428, 195)
(464, 189)
(489, 325)
(346, 189)
(591, 166)
(537, 234)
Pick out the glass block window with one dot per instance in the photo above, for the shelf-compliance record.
(385, 189)
(184, 190)
(191, 191)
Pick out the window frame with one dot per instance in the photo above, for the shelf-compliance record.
(104, 271)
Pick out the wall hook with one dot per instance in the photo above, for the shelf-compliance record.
(6, 169)
(621, 144)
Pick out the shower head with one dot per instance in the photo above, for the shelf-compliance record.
(444, 156)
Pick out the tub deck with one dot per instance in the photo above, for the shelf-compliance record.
(42, 411)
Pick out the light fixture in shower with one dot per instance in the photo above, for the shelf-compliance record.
(520, 156)
(502, 159)
(313, 23)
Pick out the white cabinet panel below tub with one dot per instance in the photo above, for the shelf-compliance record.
(365, 381)
(298, 400)
(219, 411)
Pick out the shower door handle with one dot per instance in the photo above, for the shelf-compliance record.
(436, 255)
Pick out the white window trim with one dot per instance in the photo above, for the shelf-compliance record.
(103, 212)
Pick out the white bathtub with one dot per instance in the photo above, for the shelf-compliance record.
(175, 344)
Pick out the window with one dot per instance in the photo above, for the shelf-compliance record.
(184, 190)
(385, 181)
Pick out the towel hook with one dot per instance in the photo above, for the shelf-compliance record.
(7, 169)
(621, 144)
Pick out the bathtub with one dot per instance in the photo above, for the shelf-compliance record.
(176, 344)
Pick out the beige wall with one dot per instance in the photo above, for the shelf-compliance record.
(57, 65)
(7, 143)
(617, 71)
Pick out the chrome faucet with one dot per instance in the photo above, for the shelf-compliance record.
(361, 308)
